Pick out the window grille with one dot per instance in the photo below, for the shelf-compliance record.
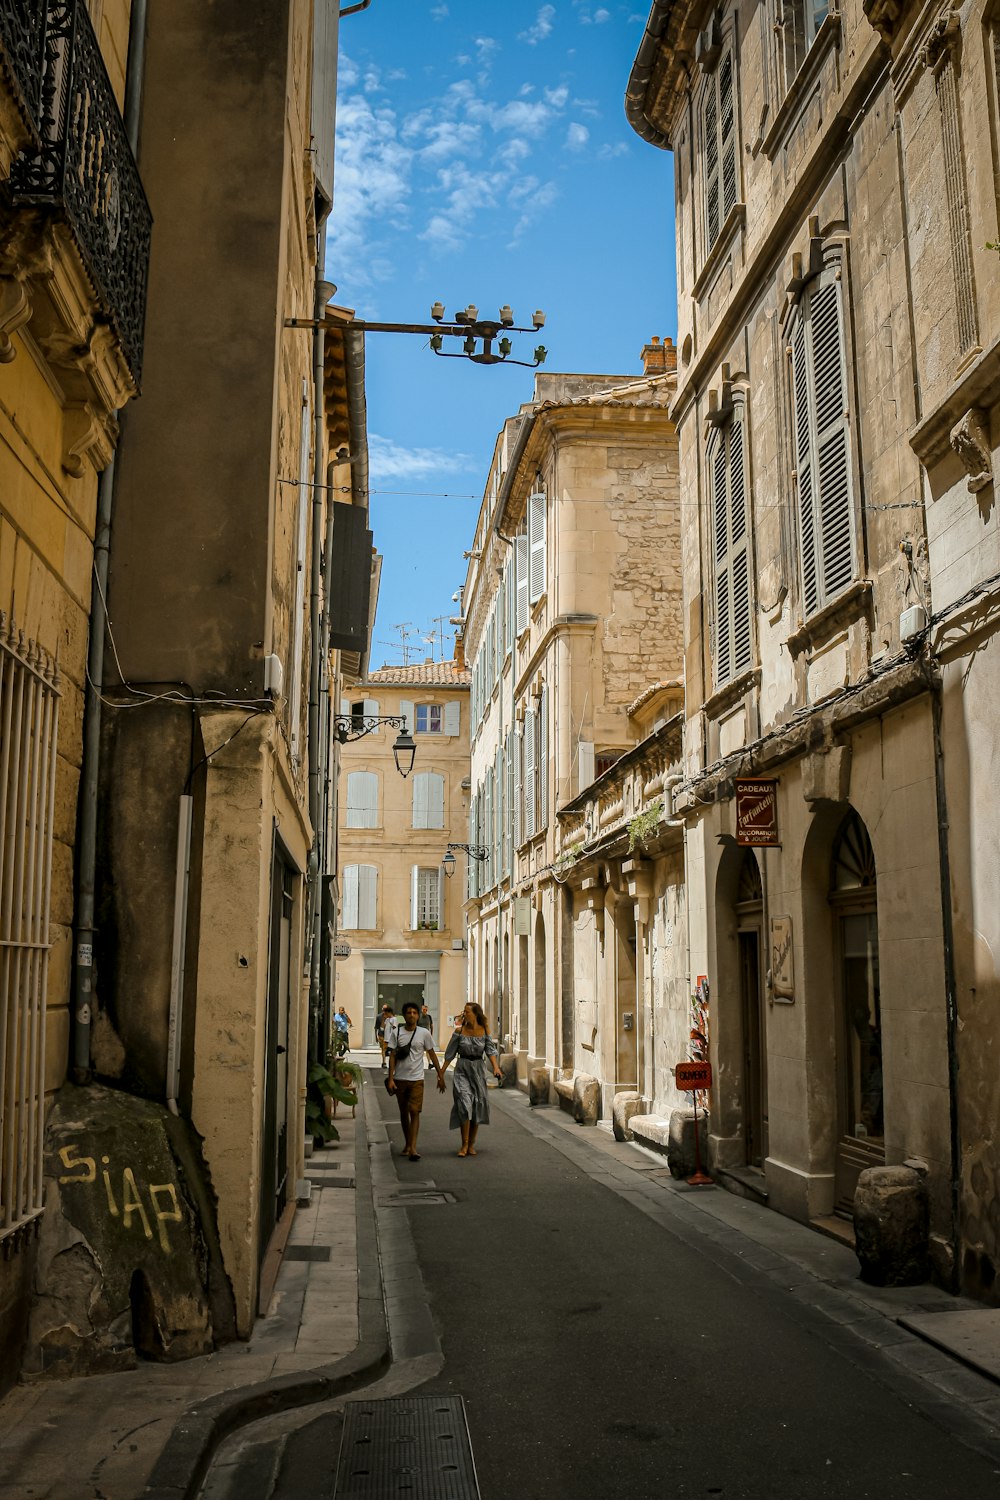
(29, 721)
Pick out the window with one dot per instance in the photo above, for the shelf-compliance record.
(719, 121)
(430, 718)
(428, 800)
(362, 799)
(536, 547)
(426, 898)
(358, 903)
(366, 708)
(821, 441)
(797, 26)
(730, 545)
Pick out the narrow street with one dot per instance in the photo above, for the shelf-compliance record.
(609, 1341)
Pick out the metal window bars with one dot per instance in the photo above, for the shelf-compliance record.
(29, 723)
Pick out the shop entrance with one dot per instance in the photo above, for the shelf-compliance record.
(749, 917)
(853, 898)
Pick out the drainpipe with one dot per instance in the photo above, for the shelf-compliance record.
(951, 1001)
(83, 934)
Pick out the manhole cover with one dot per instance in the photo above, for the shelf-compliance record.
(414, 1197)
(416, 1447)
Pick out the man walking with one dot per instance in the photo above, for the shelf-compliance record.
(407, 1046)
(426, 1019)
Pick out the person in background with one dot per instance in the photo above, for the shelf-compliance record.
(342, 1021)
(426, 1019)
(407, 1045)
(470, 1046)
(383, 1021)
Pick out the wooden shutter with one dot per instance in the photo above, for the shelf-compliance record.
(406, 712)
(518, 747)
(453, 718)
(740, 545)
(349, 899)
(727, 136)
(585, 764)
(710, 118)
(510, 600)
(435, 800)
(362, 799)
(804, 466)
(414, 897)
(536, 546)
(529, 773)
(367, 893)
(371, 708)
(730, 531)
(832, 466)
(543, 759)
(521, 563)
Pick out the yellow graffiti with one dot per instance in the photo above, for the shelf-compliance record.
(164, 1203)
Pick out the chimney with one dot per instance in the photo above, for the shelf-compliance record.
(659, 358)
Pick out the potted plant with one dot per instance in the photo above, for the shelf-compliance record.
(324, 1091)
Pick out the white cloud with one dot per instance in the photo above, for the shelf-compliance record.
(600, 16)
(542, 27)
(577, 136)
(372, 188)
(390, 460)
(439, 12)
(608, 151)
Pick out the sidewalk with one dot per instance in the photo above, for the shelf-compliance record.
(149, 1431)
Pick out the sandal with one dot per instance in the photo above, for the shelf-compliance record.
(464, 1151)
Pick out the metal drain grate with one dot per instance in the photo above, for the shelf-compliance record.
(415, 1447)
(413, 1197)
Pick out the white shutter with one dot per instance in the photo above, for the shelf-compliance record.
(362, 799)
(543, 759)
(518, 824)
(435, 800)
(453, 718)
(529, 774)
(367, 890)
(349, 899)
(345, 707)
(414, 897)
(406, 712)
(509, 798)
(585, 764)
(536, 546)
(371, 708)
(521, 563)
(498, 821)
(442, 889)
(510, 597)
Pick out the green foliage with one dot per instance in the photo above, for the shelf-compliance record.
(320, 1086)
(644, 824)
(570, 855)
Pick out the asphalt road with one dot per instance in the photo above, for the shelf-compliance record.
(601, 1354)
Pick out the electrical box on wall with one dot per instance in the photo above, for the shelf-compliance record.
(274, 676)
(912, 622)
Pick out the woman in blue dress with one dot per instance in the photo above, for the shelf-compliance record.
(469, 1046)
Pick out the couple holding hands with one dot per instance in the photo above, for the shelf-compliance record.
(468, 1047)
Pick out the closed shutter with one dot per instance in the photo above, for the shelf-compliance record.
(367, 894)
(739, 522)
(406, 712)
(521, 562)
(517, 742)
(362, 799)
(536, 546)
(420, 800)
(488, 828)
(529, 774)
(510, 593)
(349, 899)
(442, 888)
(543, 759)
(345, 707)
(585, 764)
(711, 129)
(414, 897)
(435, 800)
(730, 530)
(822, 446)
(498, 803)
(371, 708)
(453, 718)
(727, 135)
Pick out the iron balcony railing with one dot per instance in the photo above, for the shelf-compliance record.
(22, 54)
(85, 169)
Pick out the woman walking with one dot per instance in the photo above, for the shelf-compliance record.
(470, 1044)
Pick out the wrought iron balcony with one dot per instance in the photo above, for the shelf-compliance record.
(22, 53)
(85, 170)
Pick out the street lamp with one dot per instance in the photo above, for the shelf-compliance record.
(474, 851)
(354, 726)
(468, 326)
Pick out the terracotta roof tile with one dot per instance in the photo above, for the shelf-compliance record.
(444, 674)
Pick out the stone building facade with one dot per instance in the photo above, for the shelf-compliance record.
(400, 912)
(571, 611)
(191, 780)
(836, 307)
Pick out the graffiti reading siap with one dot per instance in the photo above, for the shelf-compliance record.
(163, 1202)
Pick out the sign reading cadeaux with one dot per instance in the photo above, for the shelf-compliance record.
(756, 812)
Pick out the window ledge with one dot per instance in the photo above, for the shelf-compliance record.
(736, 218)
(854, 603)
(827, 37)
(725, 697)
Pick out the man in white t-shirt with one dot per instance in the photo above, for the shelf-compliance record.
(407, 1045)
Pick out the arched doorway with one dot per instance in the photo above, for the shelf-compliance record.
(749, 908)
(854, 902)
(540, 988)
(522, 994)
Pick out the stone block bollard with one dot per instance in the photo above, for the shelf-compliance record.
(892, 1226)
(680, 1142)
(508, 1067)
(623, 1107)
(538, 1086)
(586, 1099)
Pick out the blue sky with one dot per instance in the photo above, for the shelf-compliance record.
(483, 156)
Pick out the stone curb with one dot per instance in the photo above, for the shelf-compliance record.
(197, 1435)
